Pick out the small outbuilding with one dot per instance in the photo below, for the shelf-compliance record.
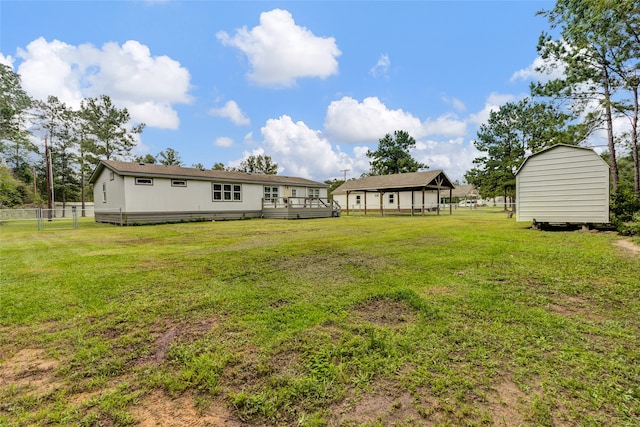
(414, 192)
(563, 184)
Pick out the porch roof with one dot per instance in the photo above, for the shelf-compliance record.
(432, 180)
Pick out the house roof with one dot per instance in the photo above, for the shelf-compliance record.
(403, 181)
(162, 171)
(465, 190)
(553, 147)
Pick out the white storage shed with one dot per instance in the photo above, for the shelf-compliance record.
(563, 184)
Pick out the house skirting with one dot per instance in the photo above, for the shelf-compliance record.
(138, 218)
(298, 213)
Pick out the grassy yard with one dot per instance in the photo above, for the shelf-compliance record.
(470, 319)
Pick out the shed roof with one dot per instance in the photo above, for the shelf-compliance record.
(162, 171)
(403, 181)
(553, 147)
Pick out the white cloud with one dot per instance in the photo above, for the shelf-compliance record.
(457, 104)
(280, 52)
(6, 60)
(367, 121)
(301, 151)
(231, 111)
(129, 74)
(382, 67)
(223, 141)
(493, 103)
(554, 70)
(454, 156)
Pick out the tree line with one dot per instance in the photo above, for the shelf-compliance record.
(597, 54)
(71, 144)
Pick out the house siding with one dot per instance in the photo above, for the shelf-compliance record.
(129, 202)
(373, 200)
(563, 184)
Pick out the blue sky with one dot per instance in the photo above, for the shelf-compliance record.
(311, 84)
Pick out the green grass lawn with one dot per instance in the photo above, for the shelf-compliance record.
(470, 319)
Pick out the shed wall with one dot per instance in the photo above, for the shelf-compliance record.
(563, 185)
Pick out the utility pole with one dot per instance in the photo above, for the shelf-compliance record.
(49, 177)
(345, 173)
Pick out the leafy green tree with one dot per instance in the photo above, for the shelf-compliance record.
(169, 157)
(15, 143)
(106, 127)
(13, 192)
(58, 122)
(147, 158)
(199, 166)
(598, 49)
(392, 155)
(511, 133)
(259, 164)
(218, 166)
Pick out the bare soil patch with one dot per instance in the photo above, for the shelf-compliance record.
(570, 306)
(386, 312)
(185, 331)
(507, 403)
(158, 409)
(385, 404)
(30, 368)
(628, 246)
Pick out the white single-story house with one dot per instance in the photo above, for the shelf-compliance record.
(563, 184)
(402, 193)
(141, 193)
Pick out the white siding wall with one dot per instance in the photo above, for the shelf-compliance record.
(115, 192)
(373, 200)
(563, 185)
(196, 196)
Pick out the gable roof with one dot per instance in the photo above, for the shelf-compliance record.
(397, 182)
(553, 147)
(148, 170)
(465, 190)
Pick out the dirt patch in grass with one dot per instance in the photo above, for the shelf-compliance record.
(30, 368)
(158, 409)
(333, 265)
(169, 332)
(385, 404)
(386, 312)
(628, 246)
(571, 305)
(506, 403)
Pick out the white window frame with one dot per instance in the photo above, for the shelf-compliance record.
(144, 181)
(392, 198)
(178, 182)
(271, 193)
(314, 193)
(357, 199)
(226, 191)
(104, 192)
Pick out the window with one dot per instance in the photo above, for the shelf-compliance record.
(227, 192)
(178, 183)
(391, 198)
(144, 181)
(112, 176)
(104, 192)
(294, 193)
(357, 200)
(270, 193)
(314, 192)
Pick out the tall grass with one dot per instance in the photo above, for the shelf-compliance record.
(469, 319)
